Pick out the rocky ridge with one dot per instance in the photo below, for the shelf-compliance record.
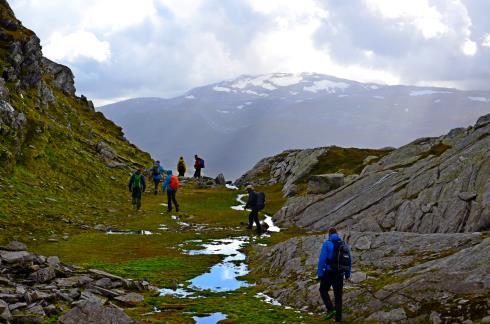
(428, 186)
(34, 287)
(417, 221)
(293, 168)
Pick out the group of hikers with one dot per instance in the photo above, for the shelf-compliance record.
(137, 182)
(334, 262)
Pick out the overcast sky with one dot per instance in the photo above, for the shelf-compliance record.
(132, 48)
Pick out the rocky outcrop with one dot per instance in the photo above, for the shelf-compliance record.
(396, 276)
(292, 168)
(428, 186)
(33, 287)
(321, 184)
(63, 78)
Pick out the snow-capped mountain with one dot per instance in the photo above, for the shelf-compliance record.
(234, 123)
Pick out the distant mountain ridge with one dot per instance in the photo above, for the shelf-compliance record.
(234, 123)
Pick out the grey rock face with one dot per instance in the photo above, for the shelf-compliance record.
(430, 185)
(15, 246)
(89, 312)
(400, 274)
(62, 76)
(321, 184)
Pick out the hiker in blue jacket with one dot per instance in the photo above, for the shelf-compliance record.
(334, 264)
(156, 172)
(171, 184)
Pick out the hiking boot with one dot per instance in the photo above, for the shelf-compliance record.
(249, 227)
(330, 315)
(177, 209)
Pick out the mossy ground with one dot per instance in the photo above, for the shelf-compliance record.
(159, 257)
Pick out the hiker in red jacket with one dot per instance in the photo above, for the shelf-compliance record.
(198, 165)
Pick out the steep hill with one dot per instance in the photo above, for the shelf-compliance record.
(60, 161)
(234, 123)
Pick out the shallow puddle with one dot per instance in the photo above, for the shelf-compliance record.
(222, 276)
(211, 319)
(129, 232)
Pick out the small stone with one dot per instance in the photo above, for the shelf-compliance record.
(15, 246)
(4, 311)
(467, 196)
(131, 299)
(104, 283)
(53, 261)
(43, 275)
(486, 319)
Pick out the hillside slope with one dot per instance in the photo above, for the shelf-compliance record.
(59, 159)
(234, 123)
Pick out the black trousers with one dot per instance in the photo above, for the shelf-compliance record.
(335, 280)
(254, 217)
(181, 172)
(197, 174)
(156, 182)
(171, 198)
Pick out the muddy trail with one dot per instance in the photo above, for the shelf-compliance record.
(199, 259)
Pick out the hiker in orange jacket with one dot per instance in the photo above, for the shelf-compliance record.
(171, 183)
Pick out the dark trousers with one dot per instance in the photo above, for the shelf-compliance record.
(171, 198)
(197, 174)
(156, 181)
(254, 217)
(136, 201)
(181, 172)
(335, 280)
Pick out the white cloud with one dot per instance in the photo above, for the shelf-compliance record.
(486, 41)
(426, 18)
(469, 47)
(116, 15)
(75, 46)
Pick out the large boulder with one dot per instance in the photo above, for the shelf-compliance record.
(87, 312)
(320, 184)
(220, 180)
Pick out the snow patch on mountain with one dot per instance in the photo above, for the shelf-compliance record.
(326, 85)
(190, 97)
(480, 99)
(415, 93)
(221, 89)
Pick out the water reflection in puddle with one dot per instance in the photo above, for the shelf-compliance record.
(222, 276)
(211, 319)
(129, 232)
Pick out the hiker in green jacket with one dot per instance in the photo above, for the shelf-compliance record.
(137, 186)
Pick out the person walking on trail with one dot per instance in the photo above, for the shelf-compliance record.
(137, 186)
(198, 165)
(181, 167)
(171, 183)
(334, 264)
(156, 172)
(255, 202)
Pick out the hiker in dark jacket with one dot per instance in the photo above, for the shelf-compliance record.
(252, 204)
(181, 167)
(156, 172)
(171, 183)
(198, 165)
(330, 276)
(137, 186)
